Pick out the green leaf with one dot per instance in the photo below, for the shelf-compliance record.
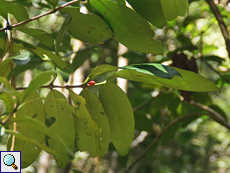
(96, 111)
(5, 67)
(189, 81)
(61, 32)
(151, 10)
(174, 8)
(54, 2)
(128, 27)
(80, 58)
(154, 69)
(40, 35)
(6, 83)
(31, 141)
(43, 128)
(89, 134)
(120, 114)
(102, 69)
(18, 10)
(8, 101)
(58, 107)
(87, 27)
(33, 107)
(37, 82)
(57, 59)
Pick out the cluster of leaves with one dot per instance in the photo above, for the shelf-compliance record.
(87, 122)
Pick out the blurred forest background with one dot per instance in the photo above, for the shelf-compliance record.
(196, 145)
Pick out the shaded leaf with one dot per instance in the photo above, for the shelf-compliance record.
(32, 106)
(5, 67)
(61, 32)
(128, 27)
(40, 35)
(97, 114)
(120, 114)
(87, 27)
(154, 69)
(58, 107)
(18, 10)
(37, 82)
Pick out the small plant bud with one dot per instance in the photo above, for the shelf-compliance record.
(91, 83)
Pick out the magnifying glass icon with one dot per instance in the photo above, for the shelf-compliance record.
(9, 160)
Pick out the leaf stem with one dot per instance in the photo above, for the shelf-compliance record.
(37, 17)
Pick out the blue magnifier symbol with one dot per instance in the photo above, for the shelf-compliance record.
(9, 160)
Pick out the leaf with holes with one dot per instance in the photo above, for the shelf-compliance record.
(99, 142)
(120, 114)
(56, 106)
(87, 27)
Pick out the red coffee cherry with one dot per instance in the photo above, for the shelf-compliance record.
(91, 83)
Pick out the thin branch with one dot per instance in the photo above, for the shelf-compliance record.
(222, 25)
(160, 134)
(142, 105)
(37, 17)
(56, 86)
(213, 114)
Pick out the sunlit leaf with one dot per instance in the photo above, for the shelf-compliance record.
(99, 143)
(89, 133)
(151, 10)
(87, 27)
(5, 67)
(128, 27)
(120, 114)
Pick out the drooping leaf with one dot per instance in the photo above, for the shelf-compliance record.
(120, 114)
(57, 59)
(5, 67)
(174, 8)
(87, 27)
(6, 83)
(128, 27)
(8, 101)
(58, 107)
(32, 107)
(189, 81)
(96, 111)
(18, 10)
(151, 10)
(80, 58)
(54, 2)
(40, 35)
(89, 134)
(61, 32)
(37, 82)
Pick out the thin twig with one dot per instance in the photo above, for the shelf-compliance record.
(142, 105)
(213, 114)
(56, 86)
(159, 135)
(37, 17)
(222, 25)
